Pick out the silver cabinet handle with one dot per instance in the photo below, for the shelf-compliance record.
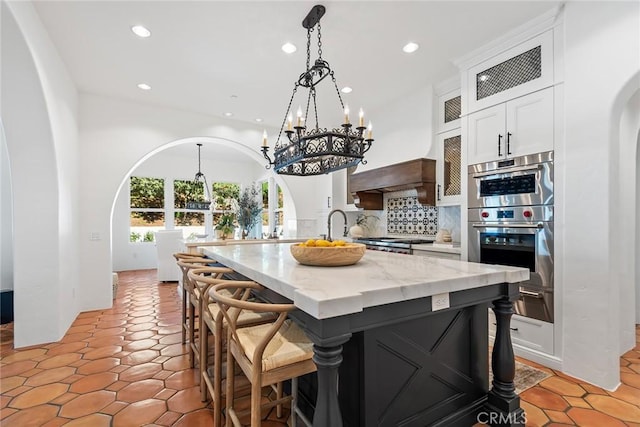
(538, 295)
(507, 170)
(498, 225)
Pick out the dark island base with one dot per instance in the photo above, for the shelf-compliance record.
(427, 371)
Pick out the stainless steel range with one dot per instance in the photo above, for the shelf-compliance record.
(511, 223)
(392, 244)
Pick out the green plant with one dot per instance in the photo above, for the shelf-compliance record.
(134, 237)
(226, 224)
(148, 236)
(248, 208)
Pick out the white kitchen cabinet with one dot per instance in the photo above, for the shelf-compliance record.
(449, 168)
(530, 333)
(525, 68)
(517, 127)
(449, 110)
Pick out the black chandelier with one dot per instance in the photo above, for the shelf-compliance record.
(317, 151)
(197, 203)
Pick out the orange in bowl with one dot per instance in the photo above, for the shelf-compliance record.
(328, 256)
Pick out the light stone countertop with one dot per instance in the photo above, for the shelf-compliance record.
(378, 278)
(455, 249)
(225, 242)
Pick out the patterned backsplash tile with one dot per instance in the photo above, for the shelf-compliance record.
(405, 215)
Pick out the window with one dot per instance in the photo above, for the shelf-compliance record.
(278, 211)
(223, 194)
(190, 221)
(146, 202)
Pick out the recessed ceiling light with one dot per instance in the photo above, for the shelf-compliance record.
(144, 86)
(346, 89)
(410, 47)
(228, 114)
(259, 120)
(289, 48)
(140, 31)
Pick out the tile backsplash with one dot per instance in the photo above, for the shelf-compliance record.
(405, 215)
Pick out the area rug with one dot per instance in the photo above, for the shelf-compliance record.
(526, 377)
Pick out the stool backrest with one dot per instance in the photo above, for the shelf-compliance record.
(231, 307)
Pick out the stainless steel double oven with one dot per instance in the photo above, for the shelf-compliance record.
(511, 223)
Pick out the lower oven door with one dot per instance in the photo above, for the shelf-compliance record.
(535, 303)
(527, 245)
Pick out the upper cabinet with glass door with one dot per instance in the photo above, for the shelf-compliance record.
(449, 148)
(523, 69)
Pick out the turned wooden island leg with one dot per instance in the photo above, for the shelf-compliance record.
(328, 357)
(503, 404)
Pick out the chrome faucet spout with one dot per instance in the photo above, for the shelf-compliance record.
(344, 215)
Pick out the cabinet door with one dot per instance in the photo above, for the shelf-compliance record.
(487, 135)
(530, 124)
(449, 110)
(449, 168)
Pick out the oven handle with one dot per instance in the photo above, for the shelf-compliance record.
(537, 295)
(507, 170)
(538, 225)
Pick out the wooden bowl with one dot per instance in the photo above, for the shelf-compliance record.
(331, 256)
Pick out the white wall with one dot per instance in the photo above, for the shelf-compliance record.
(135, 256)
(637, 251)
(123, 134)
(39, 105)
(6, 217)
(627, 257)
(601, 56)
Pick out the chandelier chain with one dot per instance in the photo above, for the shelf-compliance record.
(319, 42)
(309, 48)
(315, 106)
(335, 84)
(286, 115)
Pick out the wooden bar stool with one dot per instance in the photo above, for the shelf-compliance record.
(212, 322)
(194, 294)
(267, 354)
(185, 296)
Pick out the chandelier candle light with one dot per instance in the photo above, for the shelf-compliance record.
(317, 151)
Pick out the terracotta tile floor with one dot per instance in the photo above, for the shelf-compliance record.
(126, 367)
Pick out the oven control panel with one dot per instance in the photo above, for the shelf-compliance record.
(512, 214)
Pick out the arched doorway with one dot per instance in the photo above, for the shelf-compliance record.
(222, 159)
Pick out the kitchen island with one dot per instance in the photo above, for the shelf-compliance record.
(414, 332)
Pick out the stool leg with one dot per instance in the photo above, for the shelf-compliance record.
(294, 400)
(279, 396)
(230, 386)
(184, 313)
(256, 399)
(217, 372)
(204, 356)
(192, 324)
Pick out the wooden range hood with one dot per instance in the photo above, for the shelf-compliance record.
(367, 187)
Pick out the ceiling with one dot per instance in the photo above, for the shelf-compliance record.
(214, 57)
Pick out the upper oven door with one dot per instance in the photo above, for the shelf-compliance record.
(517, 182)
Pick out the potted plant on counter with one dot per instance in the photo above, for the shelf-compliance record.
(248, 209)
(226, 225)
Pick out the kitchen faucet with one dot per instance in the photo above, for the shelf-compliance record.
(344, 215)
